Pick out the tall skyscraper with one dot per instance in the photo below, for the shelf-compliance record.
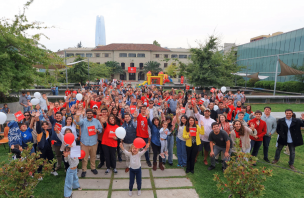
(100, 31)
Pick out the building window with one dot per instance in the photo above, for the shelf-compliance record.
(131, 64)
(69, 55)
(122, 65)
(106, 55)
(123, 55)
(157, 56)
(98, 63)
(132, 55)
(80, 54)
(141, 65)
(182, 56)
(166, 55)
(89, 55)
(174, 64)
(165, 64)
(141, 55)
(97, 55)
(173, 55)
(189, 56)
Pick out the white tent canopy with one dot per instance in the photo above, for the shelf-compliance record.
(244, 75)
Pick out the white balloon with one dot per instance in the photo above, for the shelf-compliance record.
(120, 132)
(3, 118)
(37, 95)
(79, 97)
(35, 101)
(64, 97)
(223, 89)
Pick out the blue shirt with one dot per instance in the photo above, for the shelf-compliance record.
(85, 138)
(173, 105)
(246, 117)
(288, 122)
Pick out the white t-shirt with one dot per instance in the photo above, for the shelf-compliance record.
(134, 159)
(73, 128)
(207, 126)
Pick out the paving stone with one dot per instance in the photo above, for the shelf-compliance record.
(172, 182)
(169, 173)
(124, 184)
(122, 174)
(124, 194)
(94, 183)
(91, 194)
(177, 193)
(101, 174)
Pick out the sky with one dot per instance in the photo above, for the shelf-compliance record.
(173, 23)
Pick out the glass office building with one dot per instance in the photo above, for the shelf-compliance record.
(261, 56)
(100, 31)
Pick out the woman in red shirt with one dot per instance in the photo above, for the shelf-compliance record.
(109, 142)
(224, 124)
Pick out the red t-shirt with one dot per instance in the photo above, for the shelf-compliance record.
(105, 138)
(92, 103)
(56, 109)
(261, 129)
(83, 103)
(142, 127)
(144, 100)
(237, 110)
(67, 92)
(229, 115)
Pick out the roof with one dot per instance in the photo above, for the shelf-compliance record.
(179, 50)
(130, 47)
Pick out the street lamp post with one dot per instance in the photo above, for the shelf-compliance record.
(66, 70)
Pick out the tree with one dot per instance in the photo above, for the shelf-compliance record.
(153, 67)
(99, 71)
(298, 77)
(115, 68)
(171, 70)
(78, 72)
(210, 66)
(19, 51)
(156, 43)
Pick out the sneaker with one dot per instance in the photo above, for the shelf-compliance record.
(83, 174)
(211, 167)
(97, 156)
(187, 171)
(54, 173)
(178, 165)
(100, 165)
(115, 171)
(107, 171)
(130, 193)
(192, 171)
(79, 188)
(94, 171)
(171, 164)
(139, 192)
(149, 163)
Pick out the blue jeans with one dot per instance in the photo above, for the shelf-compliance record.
(147, 152)
(255, 146)
(181, 152)
(135, 173)
(25, 109)
(71, 182)
(266, 141)
(170, 143)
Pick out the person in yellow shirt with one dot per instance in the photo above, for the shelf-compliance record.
(191, 135)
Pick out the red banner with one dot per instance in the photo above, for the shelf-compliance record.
(183, 110)
(132, 109)
(19, 115)
(91, 130)
(132, 69)
(59, 126)
(192, 131)
(187, 87)
(182, 79)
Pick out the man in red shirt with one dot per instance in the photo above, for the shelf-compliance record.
(67, 92)
(97, 102)
(231, 109)
(261, 127)
(142, 130)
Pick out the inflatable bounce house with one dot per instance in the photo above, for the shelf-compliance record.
(156, 80)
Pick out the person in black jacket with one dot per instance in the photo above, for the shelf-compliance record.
(44, 142)
(289, 130)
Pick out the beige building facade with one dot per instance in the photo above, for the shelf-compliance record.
(130, 55)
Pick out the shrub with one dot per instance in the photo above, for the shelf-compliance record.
(242, 179)
(293, 86)
(251, 82)
(259, 84)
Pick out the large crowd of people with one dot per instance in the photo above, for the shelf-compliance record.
(197, 122)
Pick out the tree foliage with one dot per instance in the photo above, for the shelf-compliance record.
(210, 66)
(78, 72)
(20, 51)
(19, 177)
(156, 43)
(171, 70)
(153, 67)
(115, 67)
(99, 71)
(298, 77)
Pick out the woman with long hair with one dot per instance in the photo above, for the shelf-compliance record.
(192, 141)
(180, 141)
(242, 132)
(223, 123)
(248, 109)
(119, 122)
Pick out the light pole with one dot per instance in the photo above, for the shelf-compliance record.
(89, 70)
(66, 70)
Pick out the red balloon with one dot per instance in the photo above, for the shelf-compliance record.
(82, 154)
(139, 143)
(52, 142)
(69, 138)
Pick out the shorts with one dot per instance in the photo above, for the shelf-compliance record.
(204, 145)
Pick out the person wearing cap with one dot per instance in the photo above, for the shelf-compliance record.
(23, 102)
(213, 114)
(205, 146)
(238, 97)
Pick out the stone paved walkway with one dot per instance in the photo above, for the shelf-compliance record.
(160, 184)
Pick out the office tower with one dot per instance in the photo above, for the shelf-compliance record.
(100, 31)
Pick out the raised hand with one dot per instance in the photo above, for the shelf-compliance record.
(52, 105)
(202, 123)
(252, 126)
(78, 112)
(37, 114)
(147, 112)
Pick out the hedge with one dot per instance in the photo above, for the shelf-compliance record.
(289, 86)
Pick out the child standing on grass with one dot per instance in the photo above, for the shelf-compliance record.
(164, 132)
(71, 178)
(135, 166)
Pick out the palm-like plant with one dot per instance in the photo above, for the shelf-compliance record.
(153, 67)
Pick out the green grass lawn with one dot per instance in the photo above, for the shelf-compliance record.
(278, 107)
